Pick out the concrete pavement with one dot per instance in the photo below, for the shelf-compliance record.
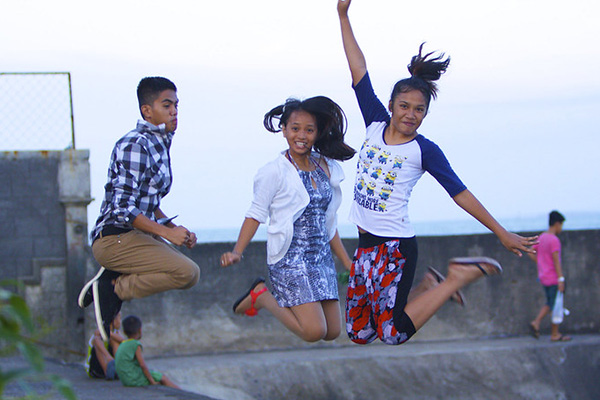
(86, 388)
(506, 368)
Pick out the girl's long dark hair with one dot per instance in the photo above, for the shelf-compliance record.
(331, 124)
(424, 72)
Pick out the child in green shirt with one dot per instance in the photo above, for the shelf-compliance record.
(130, 364)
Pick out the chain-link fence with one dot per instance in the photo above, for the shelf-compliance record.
(36, 111)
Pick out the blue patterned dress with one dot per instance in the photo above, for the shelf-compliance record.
(307, 273)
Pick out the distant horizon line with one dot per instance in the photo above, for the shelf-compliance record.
(575, 221)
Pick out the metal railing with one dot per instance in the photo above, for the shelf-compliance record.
(36, 111)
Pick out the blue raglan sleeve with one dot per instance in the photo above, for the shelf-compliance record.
(370, 106)
(435, 162)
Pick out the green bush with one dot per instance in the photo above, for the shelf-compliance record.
(17, 335)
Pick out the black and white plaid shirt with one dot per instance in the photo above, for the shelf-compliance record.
(139, 176)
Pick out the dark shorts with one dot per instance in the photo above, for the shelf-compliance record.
(97, 372)
(110, 370)
(551, 295)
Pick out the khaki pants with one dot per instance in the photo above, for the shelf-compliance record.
(149, 265)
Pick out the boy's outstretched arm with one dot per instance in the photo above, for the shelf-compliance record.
(354, 55)
(513, 242)
(140, 358)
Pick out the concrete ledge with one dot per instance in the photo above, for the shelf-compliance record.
(512, 368)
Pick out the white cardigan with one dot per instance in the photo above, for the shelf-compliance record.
(280, 196)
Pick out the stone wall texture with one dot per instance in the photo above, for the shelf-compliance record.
(43, 243)
(31, 215)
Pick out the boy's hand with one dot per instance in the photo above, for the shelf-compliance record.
(179, 235)
(191, 241)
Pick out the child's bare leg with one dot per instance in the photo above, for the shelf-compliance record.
(423, 307)
(307, 321)
(167, 382)
(545, 310)
(428, 282)
(331, 309)
(555, 334)
(102, 354)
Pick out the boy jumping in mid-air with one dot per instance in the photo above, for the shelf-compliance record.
(128, 238)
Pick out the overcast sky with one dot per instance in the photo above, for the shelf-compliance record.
(517, 114)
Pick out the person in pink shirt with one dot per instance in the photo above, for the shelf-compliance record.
(550, 274)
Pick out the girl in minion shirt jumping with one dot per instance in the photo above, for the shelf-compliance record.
(392, 159)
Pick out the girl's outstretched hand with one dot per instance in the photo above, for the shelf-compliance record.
(343, 6)
(516, 243)
(230, 258)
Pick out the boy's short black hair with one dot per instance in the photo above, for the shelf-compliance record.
(555, 217)
(131, 325)
(150, 87)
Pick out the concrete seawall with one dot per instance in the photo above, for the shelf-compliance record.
(200, 320)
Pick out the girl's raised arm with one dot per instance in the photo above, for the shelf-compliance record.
(354, 55)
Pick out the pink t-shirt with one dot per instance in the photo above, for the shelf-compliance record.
(548, 244)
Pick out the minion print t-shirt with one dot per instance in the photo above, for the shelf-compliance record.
(387, 174)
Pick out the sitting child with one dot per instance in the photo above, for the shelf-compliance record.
(130, 364)
(100, 362)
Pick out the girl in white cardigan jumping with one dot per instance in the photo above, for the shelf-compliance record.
(299, 193)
